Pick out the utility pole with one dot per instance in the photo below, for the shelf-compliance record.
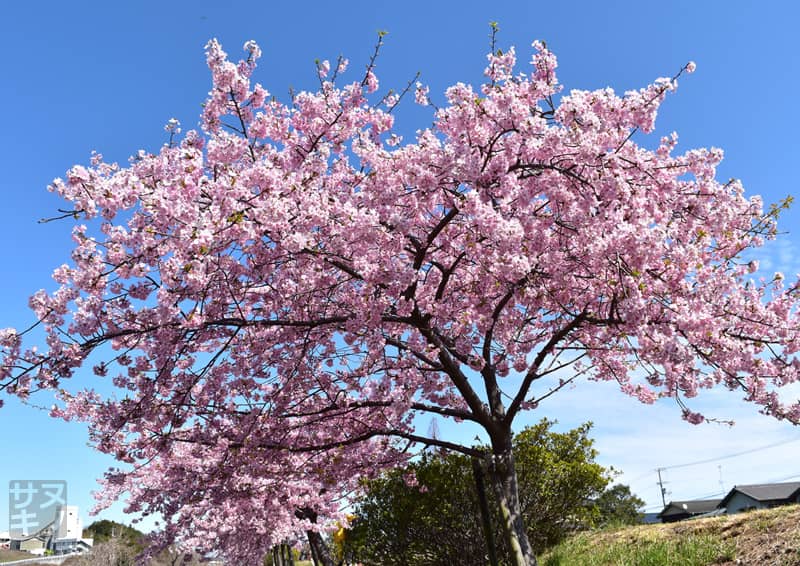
(661, 485)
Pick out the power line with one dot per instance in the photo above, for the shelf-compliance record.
(641, 477)
(658, 470)
(728, 456)
(785, 478)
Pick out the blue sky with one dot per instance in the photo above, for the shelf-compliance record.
(83, 76)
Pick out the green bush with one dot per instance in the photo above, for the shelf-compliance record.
(561, 488)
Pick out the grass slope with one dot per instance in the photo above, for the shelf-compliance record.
(759, 538)
(11, 555)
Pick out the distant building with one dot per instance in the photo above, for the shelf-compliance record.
(680, 510)
(740, 498)
(761, 496)
(68, 522)
(68, 532)
(61, 536)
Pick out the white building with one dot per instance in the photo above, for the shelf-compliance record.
(68, 524)
(68, 531)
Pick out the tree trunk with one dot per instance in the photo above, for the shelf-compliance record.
(319, 550)
(314, 558)
(504, 479)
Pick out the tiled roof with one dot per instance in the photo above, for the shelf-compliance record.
(766, 491)
(692, 507)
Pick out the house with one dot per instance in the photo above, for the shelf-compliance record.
(740, 498)
(680, 510)
(761, 496)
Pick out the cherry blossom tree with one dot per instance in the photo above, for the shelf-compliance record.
(241, 499)
(279, 295)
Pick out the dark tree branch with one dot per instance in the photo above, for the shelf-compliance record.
(533, 371)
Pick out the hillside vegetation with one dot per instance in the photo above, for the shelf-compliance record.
(758, 538)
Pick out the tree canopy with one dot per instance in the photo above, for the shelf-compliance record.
(278, 294)
(618, 506)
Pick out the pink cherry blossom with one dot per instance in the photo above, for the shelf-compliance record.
(277, 299)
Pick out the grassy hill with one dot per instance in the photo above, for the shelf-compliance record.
(758, 538)
(104, 530)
